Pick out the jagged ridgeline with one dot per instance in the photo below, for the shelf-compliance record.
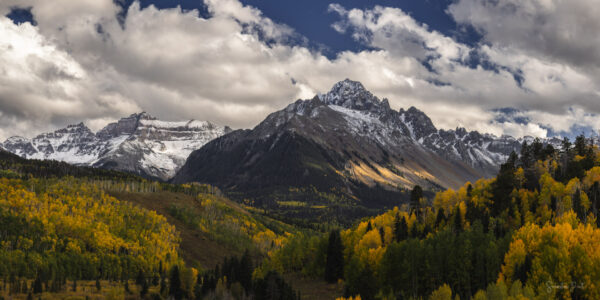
(140, 144)
(529, 233)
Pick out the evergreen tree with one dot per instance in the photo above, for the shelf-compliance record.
(426, 230)
(580, 145)
(24, 288)
(367, 285)
(273, 287)
(473, 212)
(554, 204)
(526, 155)
(458, 227)
(414, 231)
(537, 149)
(246, 268)
(175, 284)
(441, 217)
(400, 229)
(566, 145)
(163, 285)
(522, 270)
(37, 285)
(334, 265)
(504, 185)
(549, 151)
(140, 279)
(396, 227)
(144, 289)
(577, 207)
(415, 200)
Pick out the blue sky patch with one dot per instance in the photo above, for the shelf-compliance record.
(21, 15)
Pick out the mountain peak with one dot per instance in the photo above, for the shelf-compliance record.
(16, 139)
(351, 94)
(142, 116)
(419, 123)
(76, 127)
(80, 124)
(348, 85)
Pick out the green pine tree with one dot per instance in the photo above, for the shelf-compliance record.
(175, 284)
(37, 285)
(334, 265)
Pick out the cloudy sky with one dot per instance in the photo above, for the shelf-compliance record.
(505, 67)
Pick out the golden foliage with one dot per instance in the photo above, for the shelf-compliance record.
(563, 253)
(442, 293)
(86, 221)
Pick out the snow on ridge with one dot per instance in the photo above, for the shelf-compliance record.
(17, 139)
(366, 124)
(355, 114)
(191, 124)
(162, 145)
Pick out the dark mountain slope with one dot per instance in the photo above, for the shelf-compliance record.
(346, 143)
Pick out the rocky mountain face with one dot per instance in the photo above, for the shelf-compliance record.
(346, 140)
(140, 144)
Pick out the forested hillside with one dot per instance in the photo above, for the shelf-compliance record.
(70, 229)
(531, 232)
(74, 231)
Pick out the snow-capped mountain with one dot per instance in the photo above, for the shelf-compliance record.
(139, 143)
(343, 140)
(484, 152)
(75, 144)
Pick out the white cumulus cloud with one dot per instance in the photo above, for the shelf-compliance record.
(80, 64)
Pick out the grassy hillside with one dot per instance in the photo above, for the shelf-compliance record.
(212, 227)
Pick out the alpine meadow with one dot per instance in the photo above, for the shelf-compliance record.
(299, 150)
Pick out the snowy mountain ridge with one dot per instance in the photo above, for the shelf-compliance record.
(370, 116)
(140, 143)
(484, 152)
(348, 120)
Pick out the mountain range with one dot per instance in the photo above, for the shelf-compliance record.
(139, 144)
(345, 138)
